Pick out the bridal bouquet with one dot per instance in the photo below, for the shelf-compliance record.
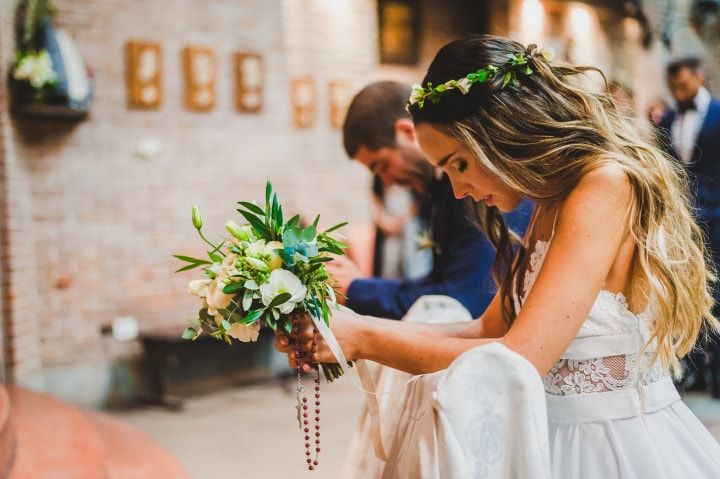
(260, 272)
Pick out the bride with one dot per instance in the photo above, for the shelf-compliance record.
(607, 291)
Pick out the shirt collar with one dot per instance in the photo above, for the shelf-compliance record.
(702, 100)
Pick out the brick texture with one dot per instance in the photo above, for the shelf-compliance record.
(90, 225)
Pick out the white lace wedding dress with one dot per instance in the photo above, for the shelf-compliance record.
(612, 412)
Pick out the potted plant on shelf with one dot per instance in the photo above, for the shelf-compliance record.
(48, 77)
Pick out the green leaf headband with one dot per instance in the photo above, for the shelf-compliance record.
(516, 64)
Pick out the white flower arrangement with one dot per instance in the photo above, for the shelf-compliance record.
(35, 68)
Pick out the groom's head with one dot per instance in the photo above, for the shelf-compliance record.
(685, 78)
(379, 133)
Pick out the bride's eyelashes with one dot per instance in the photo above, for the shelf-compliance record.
(461, 165)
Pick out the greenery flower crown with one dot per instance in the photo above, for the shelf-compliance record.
(517, 64)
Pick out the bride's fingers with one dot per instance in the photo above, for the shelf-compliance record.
(282, 343)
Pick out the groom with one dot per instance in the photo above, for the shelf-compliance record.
(692, 134)
(379, 133)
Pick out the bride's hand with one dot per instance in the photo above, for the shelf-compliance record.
(344, 324)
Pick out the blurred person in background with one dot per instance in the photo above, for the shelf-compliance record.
(691, 132)
(623, 96)
(379, 133)
(401, 219)
(656, 111)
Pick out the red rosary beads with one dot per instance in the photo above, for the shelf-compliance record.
(303, 419)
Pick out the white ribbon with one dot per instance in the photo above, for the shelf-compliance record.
(362, 378)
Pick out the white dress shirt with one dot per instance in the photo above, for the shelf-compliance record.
(686, 127)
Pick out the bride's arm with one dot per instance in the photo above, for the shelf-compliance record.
(590, 230)
(489, 325)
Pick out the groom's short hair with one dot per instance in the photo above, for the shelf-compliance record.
(692, 63)
(371, 116)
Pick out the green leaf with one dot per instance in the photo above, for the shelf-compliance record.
(252, 207)
(268, 193)
(253, 316)
(216, 258)
(247, 299)
(320, 259)
(506, 80)
(308, 234)
(258, 225)
(233, 288)
(226, 325)
(293, 222)
(189, 333)
(278, 217)
(279, 299)
(190, 259)
(336, 227)
(287, 326)
(188, 267)
(291, 237)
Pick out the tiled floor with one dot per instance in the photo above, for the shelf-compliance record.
(252, 432)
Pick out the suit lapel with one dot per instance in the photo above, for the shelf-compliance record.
(710, 122)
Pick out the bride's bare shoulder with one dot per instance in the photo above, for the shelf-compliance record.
(605, 187)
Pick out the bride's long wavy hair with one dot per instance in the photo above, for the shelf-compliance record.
(540, 137)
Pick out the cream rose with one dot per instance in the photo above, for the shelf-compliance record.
(244, 332)
(199, 287)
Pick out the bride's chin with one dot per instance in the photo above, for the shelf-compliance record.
(508, 205)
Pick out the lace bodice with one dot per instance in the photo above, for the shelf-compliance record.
(609, 353)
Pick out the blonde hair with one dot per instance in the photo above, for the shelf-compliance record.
(540, 137)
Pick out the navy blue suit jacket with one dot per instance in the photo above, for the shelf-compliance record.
(705, 165)
(462, 266)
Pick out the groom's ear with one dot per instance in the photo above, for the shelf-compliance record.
(405, 128)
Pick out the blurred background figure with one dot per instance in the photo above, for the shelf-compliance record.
(693, 129)
(623, 97)
(401, 222)
(656, 110)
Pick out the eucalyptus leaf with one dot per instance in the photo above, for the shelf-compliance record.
(226, 325)
(189, 333)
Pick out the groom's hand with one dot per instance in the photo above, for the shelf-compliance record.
(344, 272)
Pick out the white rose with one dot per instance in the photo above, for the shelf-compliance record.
(256, 248)
(275, 259)
(464, 85)
(199, 287)
(245, 333)
(283, 281)
(417, 95)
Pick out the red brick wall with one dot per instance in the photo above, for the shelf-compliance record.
(91, 226)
